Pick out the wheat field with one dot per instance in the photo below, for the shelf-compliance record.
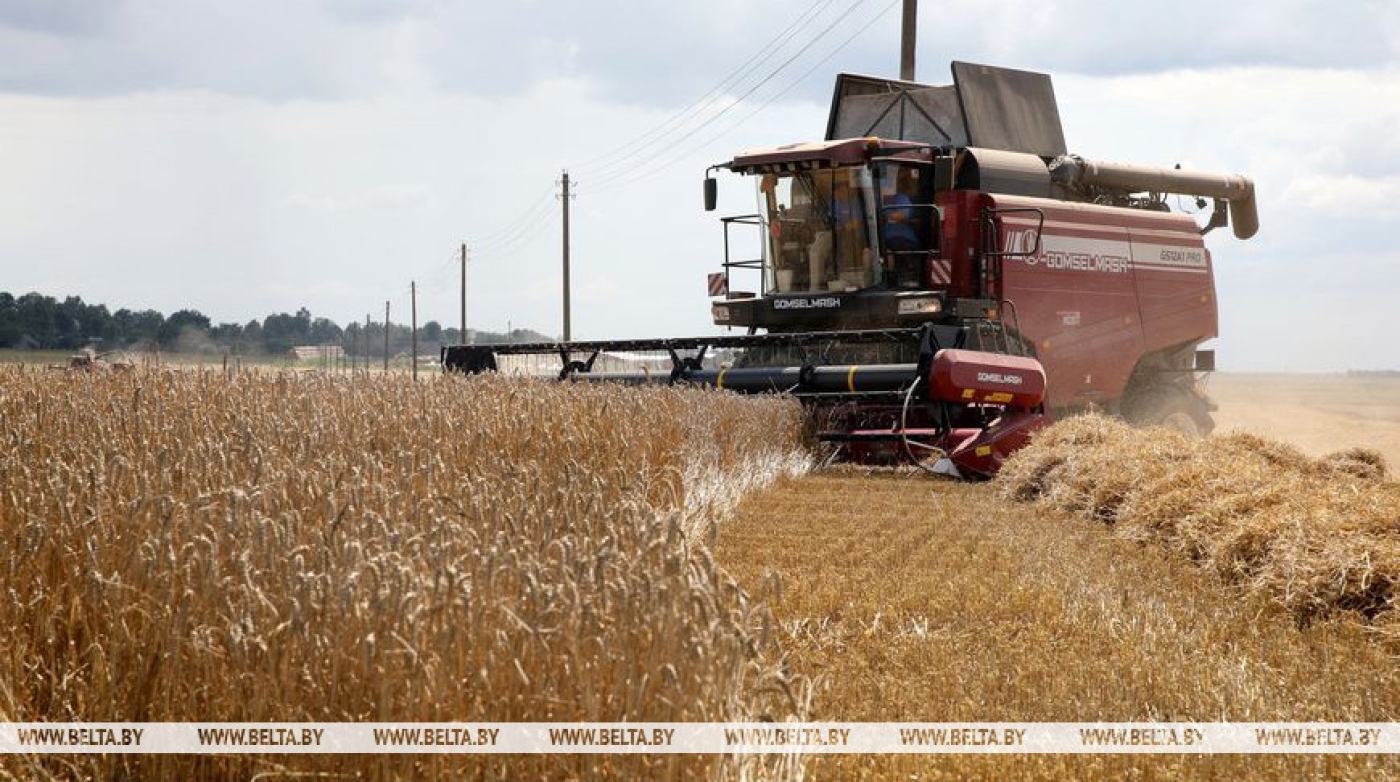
(185, 547)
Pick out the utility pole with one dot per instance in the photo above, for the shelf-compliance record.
(564, 181)
(906, 49)
(367, 347)
(462, 338)
(413, 327)
(386, 336)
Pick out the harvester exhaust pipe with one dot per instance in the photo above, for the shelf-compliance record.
(1234, 189)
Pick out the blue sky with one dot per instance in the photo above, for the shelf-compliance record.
(254, 157)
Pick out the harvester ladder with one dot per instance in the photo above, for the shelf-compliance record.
(1021, 348)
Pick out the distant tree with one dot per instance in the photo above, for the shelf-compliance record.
(179, 325)
(68, 323)
(303, 324)
(228, 335)
(122, 322)
(95, 322)
(36, 319)
(252, 336)
(36, 316)
(282, 331)
(354, 339)
(138, 327)
(9, 320)
(324, 331)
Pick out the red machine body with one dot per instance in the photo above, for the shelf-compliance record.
(1015, 385)
(977, 377)
(981, 454)
(1103, 288)
(999, 403)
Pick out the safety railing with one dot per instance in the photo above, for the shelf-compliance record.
(730, 264)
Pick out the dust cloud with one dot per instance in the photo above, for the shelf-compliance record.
(1318, 413)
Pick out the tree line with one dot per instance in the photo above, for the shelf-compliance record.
(38, 322)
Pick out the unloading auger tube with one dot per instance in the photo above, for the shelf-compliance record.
(1236, 190)
(957, 411)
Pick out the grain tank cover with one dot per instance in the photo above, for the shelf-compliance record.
(1009, 110)
(871, 106)
(985, 106)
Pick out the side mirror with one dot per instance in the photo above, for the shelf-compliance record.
(711, 193)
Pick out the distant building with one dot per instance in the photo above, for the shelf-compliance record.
(316, 352)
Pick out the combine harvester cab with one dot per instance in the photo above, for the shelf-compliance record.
(939, 276)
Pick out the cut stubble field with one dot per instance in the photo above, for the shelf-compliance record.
(1319, 413)
(911, 600)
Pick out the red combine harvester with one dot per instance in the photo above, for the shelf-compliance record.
(940, 277)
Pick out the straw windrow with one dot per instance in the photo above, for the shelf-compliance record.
(1318, 536)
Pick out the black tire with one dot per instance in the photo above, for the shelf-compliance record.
(1171, 408)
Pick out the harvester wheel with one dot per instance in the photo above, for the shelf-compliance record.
(1174, 409)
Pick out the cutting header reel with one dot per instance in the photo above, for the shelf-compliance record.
(930, 396)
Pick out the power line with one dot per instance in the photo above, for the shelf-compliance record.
(511, 225)
(521, 238)
(765, 53)
(505, 235)
(524, 229)
(649, 172)
(520, 230)
(519, 233)
(525, 226)
(711, 120)
(799, 80)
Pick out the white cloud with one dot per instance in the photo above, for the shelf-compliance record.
(635, 50)
(170, 154)
(1347, 195)
(382, 199)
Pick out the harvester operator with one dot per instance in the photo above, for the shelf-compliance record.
(841, 237)
(899, 231)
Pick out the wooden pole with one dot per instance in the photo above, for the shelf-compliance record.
(565, 182)
(907, 38)
(462, 337)
(413, 328)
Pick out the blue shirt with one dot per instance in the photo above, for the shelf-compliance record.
(843, 211)
(898, 228)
